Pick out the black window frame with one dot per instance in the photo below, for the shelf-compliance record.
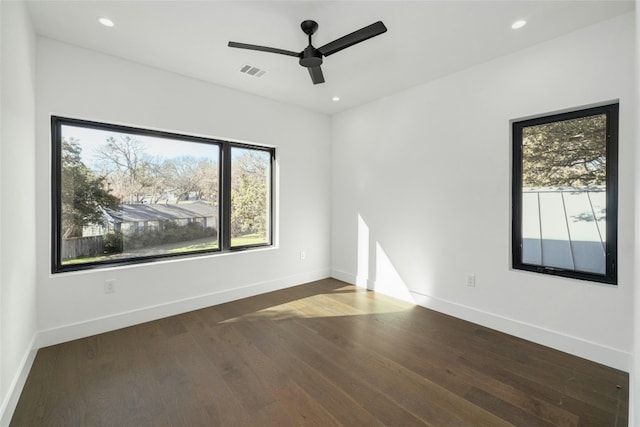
(224, 191)
(611, 110)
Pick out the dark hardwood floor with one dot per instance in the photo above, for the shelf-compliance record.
(322, 354)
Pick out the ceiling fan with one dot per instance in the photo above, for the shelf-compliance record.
(310, 57)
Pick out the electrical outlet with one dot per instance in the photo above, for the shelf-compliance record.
(303, 255)
(110, 286)
(471, 280)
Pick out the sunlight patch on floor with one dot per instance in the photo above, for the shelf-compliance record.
(338, 303)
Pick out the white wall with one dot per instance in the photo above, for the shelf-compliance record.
(424, 223)
(17, 205)
(79, 83)
(421, 193)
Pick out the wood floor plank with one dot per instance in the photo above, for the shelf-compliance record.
(296, 408)
(503, 409)
(321, 354)
(343, 406)
(600, 393)
(315, 354)
(445, 387)
(422, 397)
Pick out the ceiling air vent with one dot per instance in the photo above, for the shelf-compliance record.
(252, 71)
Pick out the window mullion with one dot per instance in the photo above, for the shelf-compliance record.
(225, 205)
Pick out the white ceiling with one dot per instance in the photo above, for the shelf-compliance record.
(425, 39)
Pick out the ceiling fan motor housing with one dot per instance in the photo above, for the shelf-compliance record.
(310, 57)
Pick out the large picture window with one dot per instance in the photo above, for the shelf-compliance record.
(123, 195)
(565, 194)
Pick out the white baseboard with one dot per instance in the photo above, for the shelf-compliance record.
(595, 352)
(10, 401)
(146, 314)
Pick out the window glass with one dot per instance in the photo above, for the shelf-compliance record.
(250, 197)
(124, 195)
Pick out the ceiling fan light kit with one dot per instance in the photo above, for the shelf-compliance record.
(310, 57)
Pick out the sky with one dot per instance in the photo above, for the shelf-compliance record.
(92, 139)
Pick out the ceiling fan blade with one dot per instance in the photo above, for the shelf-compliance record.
(358, 36)
(316, 75)
(263, 49)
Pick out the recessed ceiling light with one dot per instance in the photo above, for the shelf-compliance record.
(106, 22)
(518, 24)
(335, 99)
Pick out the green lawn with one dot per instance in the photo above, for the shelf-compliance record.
(197, 247)
(246, 240)
(83, 260)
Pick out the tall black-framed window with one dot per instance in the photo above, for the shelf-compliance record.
(123, 195)
(565, 194)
